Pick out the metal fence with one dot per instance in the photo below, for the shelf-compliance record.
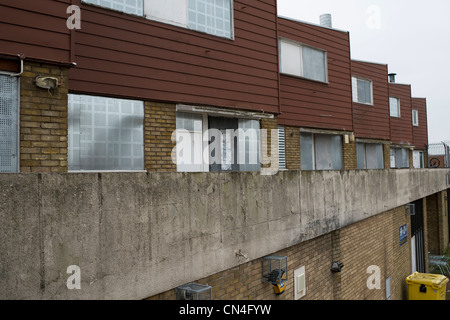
(439, 154)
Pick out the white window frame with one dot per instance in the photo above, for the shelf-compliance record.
(415, 116)
(301, 46)
(355, 90)
(398, 108)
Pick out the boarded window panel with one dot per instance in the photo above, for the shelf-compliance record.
(415, 117)
(306, 151)
(314, 64)
(374, 156)
(336, 152)
(355, 89)
(290, 59)
(128, 6)
(323, 152)
(105, 133)
(364, 91)
(249, 145)
(361, 156)
(8, 124)
(394, 105)
(190, 142)
(168, 11)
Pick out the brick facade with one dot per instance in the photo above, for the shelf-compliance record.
(349, 161)
(372, 242)
(43, 120)
(437, 223)
(292, 140)
(159, 125)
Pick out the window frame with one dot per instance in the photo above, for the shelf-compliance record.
(365, 154)
(301, 46)
(416, 113)
(398, 107)
(313, 138)
(355, 90)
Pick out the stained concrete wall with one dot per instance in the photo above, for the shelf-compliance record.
(138, 234)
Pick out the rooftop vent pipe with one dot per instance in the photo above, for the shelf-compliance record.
(326, 21)
(392, 77)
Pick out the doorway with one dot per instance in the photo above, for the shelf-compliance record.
(417, 239)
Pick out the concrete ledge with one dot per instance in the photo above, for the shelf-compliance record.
(138, 234)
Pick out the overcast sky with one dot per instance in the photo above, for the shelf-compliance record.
(411, 36)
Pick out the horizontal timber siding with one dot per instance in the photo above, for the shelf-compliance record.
(306, 103)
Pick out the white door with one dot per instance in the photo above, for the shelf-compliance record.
(9, 110)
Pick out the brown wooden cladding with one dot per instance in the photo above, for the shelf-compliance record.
(372, 121)
(401, 128)
(36, 29)
(129, 56)
(306, 103)
(420, 133)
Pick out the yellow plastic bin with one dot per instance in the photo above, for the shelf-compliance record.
(423, 286)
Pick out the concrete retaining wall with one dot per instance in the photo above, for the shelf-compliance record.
(138, 234)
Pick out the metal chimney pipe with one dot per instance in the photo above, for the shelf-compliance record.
(392, 77)
(326, 20)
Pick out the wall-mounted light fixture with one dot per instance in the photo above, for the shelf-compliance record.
(193, 291)
(336, 267)
(49, 83)
(410, 209)
(274, 271)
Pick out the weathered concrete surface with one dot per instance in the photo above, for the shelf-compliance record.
(135, 234)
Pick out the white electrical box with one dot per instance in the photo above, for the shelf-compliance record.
(300, 283)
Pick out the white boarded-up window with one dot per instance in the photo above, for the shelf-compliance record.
(190, 142)
(415, 118)
(128, 6)
(105, 134)
(394, 106)
(303, 61)
(369, 156)
(168, 11)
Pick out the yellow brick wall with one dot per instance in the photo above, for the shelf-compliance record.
(372, 242)
(159, 124)
(292, 141)
(43, 120)
(348, 155)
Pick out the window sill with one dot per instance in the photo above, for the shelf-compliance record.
(303, 78)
